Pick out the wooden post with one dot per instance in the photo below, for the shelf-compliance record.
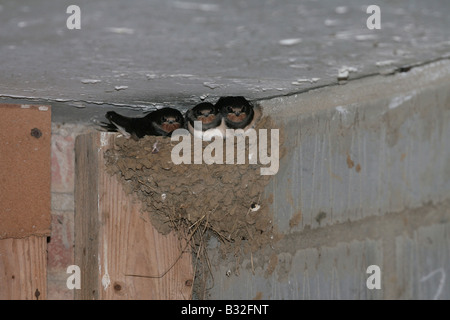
(113, 242)
(25, 135)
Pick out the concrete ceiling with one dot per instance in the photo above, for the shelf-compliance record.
(140, 54)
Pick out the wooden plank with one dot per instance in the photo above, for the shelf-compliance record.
(25, 135)
(86, 215)
(112, 241)
(23, 268)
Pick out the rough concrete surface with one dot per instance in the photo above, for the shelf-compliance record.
(365, 182)
(373, 146)
(144, 53)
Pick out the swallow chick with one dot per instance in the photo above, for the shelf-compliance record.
(238, 113)
(166, 120)
(211, 121)
(161, 122)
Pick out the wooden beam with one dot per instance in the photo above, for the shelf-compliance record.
(113, 242)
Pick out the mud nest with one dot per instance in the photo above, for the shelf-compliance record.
(198, 201)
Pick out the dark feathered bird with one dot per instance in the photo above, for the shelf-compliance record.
(211, 121)
(238, 113)
(161, 122)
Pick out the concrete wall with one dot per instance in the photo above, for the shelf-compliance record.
(366, 181)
